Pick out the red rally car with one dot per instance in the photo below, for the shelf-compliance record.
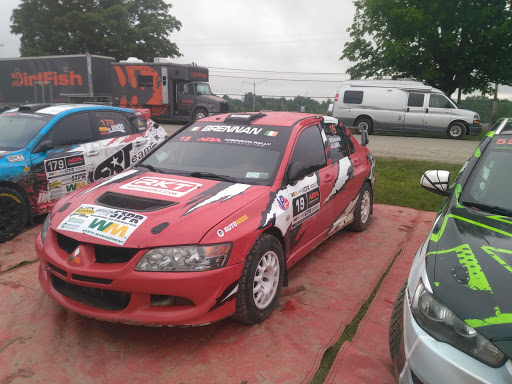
(208, 223)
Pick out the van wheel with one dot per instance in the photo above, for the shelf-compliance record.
(456, 131)
(200, 113)
(364, 123)
(13, 213)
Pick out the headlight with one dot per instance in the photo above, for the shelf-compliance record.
(443, 325)
(46, 227)
(476, 119)
(185, 259)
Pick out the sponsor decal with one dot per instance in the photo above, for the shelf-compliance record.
(210, 139)
(253, 143)
(15, 158)
(232, 129)
(195, 129)
(270, 133)
(114, 164)
(113, 225)
(283, 203)
(161, 186)
(64, 165)
(235, 223)
(305, 206)
(55, 184)
(75, 186)
(11, 196)
(74, 257)
(220, 233)
(24, 79)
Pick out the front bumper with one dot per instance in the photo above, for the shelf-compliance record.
(431, 361)
(475, 129)
(116, 292)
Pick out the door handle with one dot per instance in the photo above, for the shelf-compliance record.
(93, 153)
(426, 111)
(407, 109)
(328, 178)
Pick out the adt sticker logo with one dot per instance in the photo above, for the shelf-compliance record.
(283, 203)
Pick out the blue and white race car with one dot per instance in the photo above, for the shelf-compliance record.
(47, 151)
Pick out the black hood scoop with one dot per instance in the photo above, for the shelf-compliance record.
(132, 203)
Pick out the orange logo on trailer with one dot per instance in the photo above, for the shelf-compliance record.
(26, 80)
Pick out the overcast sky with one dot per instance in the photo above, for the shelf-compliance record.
(237, 38)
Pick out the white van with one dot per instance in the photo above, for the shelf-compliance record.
(404, 106)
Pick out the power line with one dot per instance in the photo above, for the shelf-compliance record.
(263, 78)
(281, 72)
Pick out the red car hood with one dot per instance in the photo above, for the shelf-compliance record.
(184, 209)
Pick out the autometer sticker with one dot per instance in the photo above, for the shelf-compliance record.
(113, 225)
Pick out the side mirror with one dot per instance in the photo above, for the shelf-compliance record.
(43, 146)
(436, 181)
(296, 171)
(364, 137)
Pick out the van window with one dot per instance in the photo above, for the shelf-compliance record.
(439, 101)
(415, 99)
(353, 97)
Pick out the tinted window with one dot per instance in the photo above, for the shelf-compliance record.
(140, 122)
(353, 97)
(439, 101)
(73, 129)
(111, 124)
(17, 129)
(145, 81)
(416, 100)
(309, 149)
(186, 89)
(337, 141)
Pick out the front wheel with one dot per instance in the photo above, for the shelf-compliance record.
(363, 209)
(13, 213)
(261, 281)
(200, 113)
(395, 325)
(456, 131)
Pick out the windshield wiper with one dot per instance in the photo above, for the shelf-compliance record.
(209, 175)
(151, 168)
(488, 208)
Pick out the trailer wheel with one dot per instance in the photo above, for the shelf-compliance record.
(363, 123)
(200, 113)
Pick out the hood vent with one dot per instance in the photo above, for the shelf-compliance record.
(132, 203)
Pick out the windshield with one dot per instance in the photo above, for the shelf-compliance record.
(243, 154)
(17, 129)
(489, 187)
(203, 89)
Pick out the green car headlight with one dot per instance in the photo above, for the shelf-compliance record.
(443, 325)
(185, 259)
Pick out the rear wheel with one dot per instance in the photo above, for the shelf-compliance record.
(13, 213)
(261, 281)
(364, 123)
(395, 325)
(363, 209)
(200, 113)
(456, 131)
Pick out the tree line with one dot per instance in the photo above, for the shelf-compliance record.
(297, 104)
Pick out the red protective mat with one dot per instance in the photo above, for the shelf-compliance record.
(19, 249)
(42, 342)
(366, 359)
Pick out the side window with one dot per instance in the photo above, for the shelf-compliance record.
(439, 101)
(415, 99)
(353, 97)
(145, 81)
(72, 129)
(309, 149)
(140, 123)
(337, 141)
(108, 124)
(186, 89)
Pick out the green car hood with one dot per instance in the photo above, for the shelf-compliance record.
(469, 266)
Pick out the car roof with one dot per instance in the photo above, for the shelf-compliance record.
(55, 109)
(282, 119)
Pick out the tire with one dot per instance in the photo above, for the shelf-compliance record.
(395, 325)
(456, 131)
(200, 113)
(13, 213)
(258, 290)
(363, 123)
(363, 209)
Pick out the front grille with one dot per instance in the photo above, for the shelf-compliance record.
(90, 279)
(57, 269)
(67, 244)
(105, 299)
(133, 203)
(224, 107)
(113, 255)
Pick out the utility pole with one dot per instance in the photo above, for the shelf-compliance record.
(254, 92)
